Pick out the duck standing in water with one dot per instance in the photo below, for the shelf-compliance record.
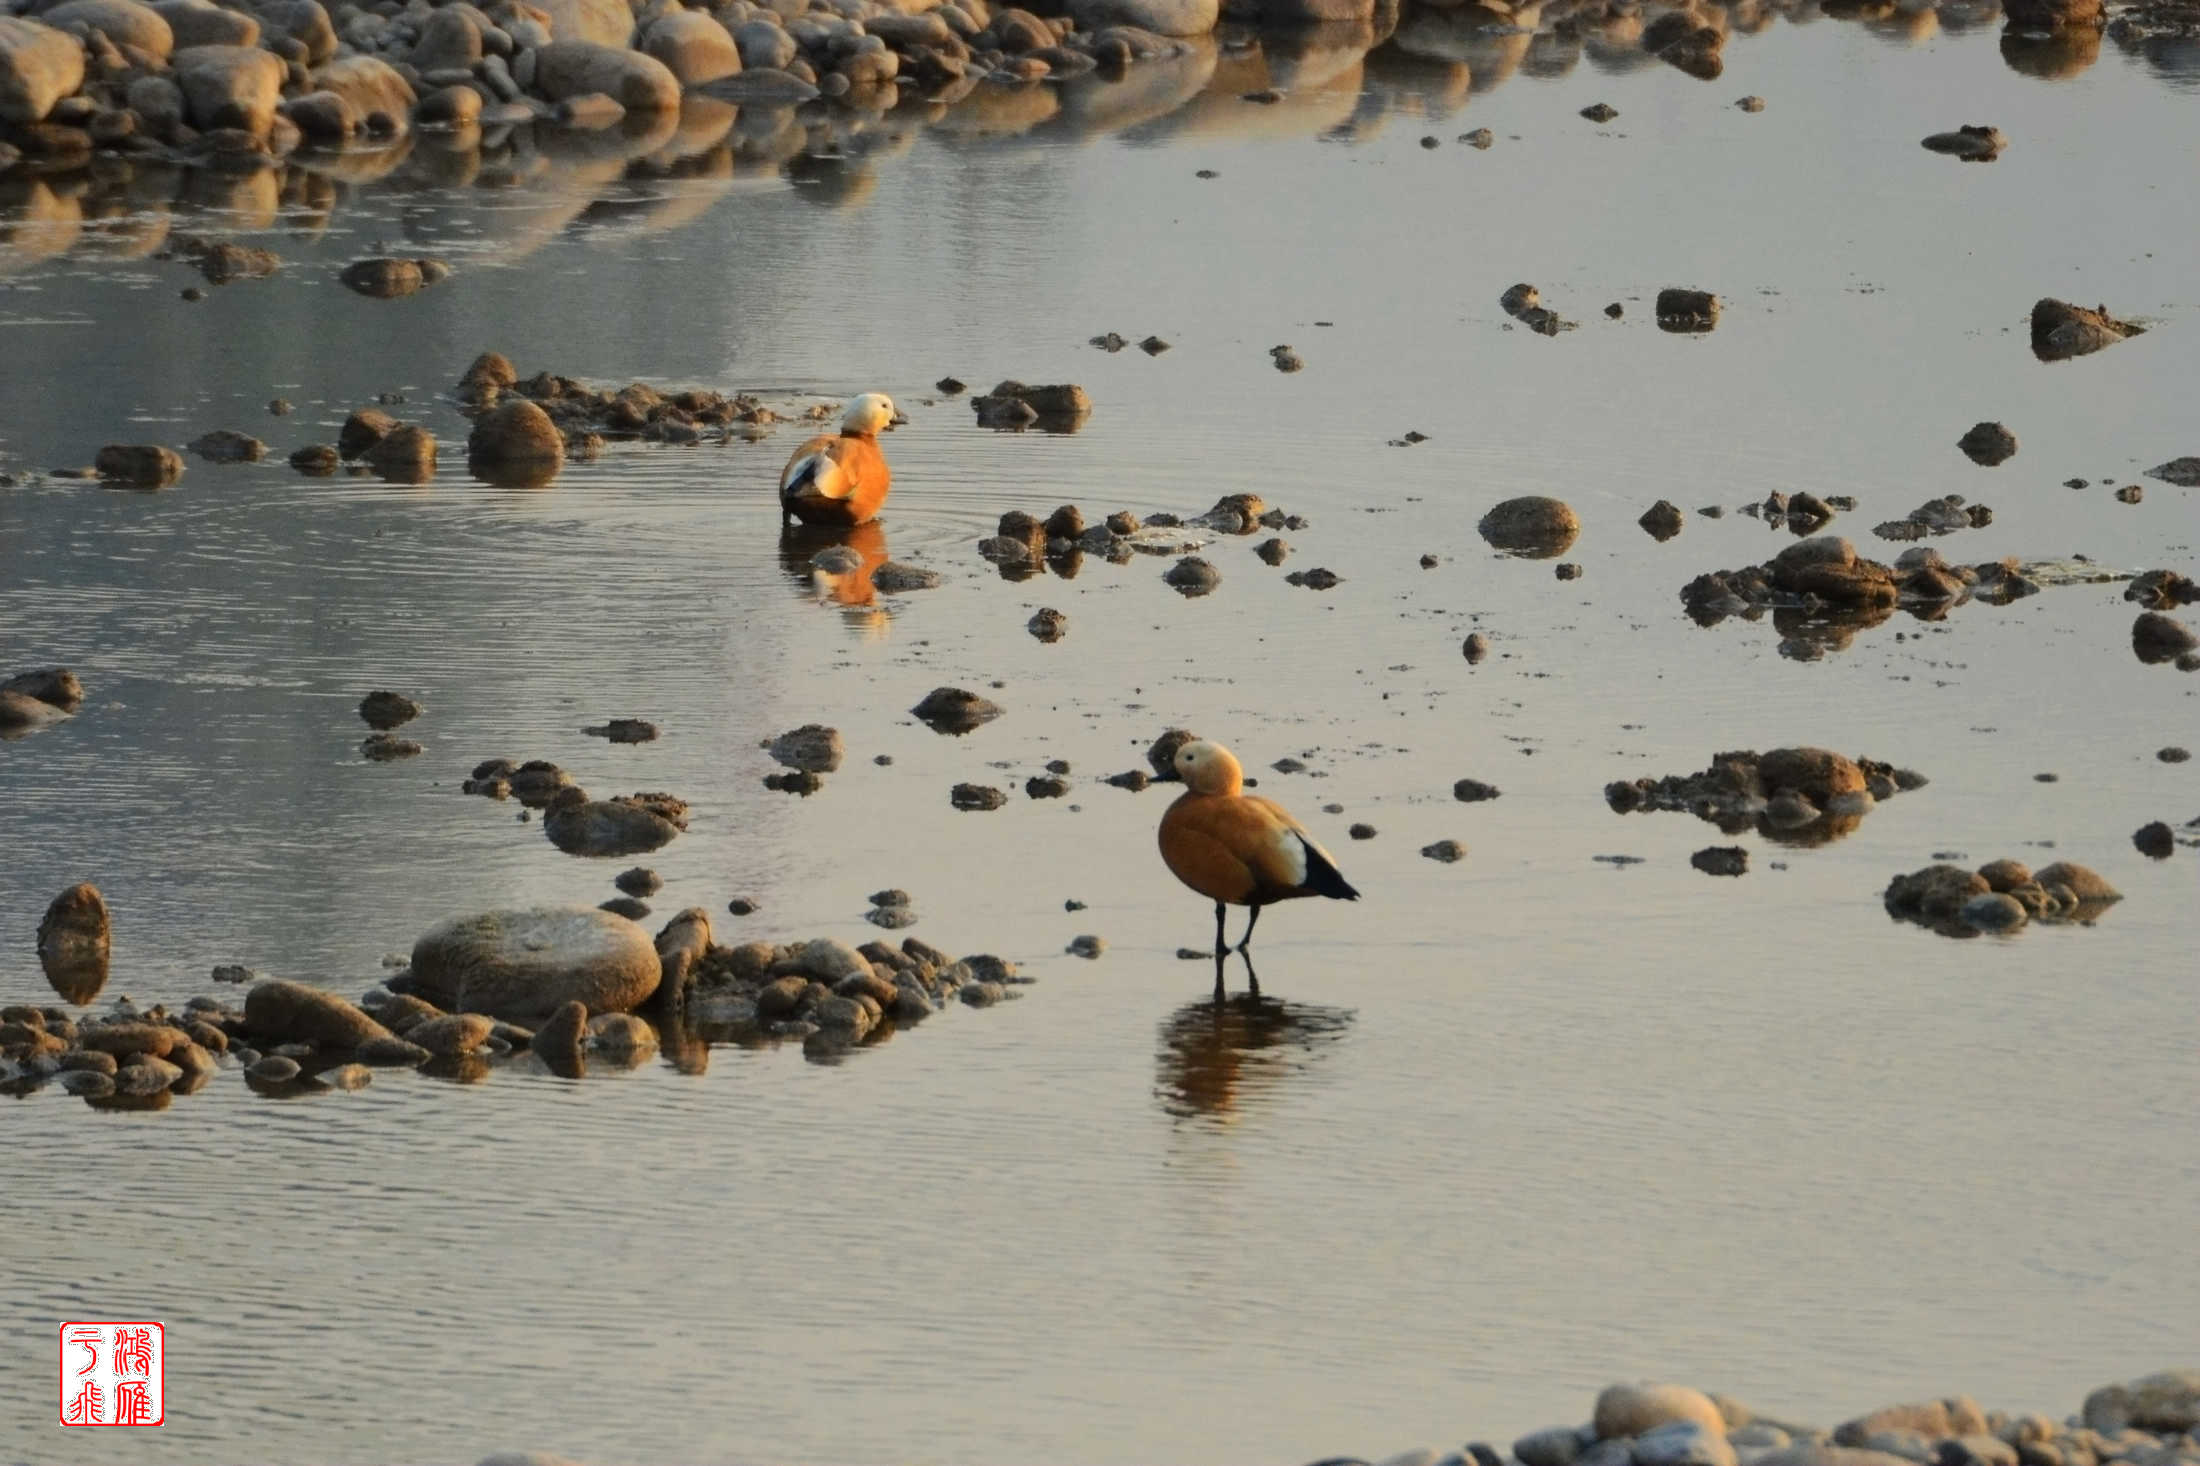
(840, 480)
(1238, 849)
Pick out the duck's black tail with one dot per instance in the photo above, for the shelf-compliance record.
(1324, 879)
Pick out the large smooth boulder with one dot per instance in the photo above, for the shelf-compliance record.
(1162, 17)
(229, 86)
(525, 965)
(1630, 1410)
(200, 23)
(371, 85)
(576, 68)
(694, 47)
(124, 22)
(605, 22)
(38, 67)
(765, 44)
(280, 1011)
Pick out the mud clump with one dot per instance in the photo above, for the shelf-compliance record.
(1973, 143)
(624, 730)
(2061, 330)
(1192, 576)
(1318, 578)
(954, 710)
(1445, 851)
(1687, 311)
(976, 797)
(1988, 444)
(1532, 527)
(1524, 303)
(1012, 406)
(1662, 520)
(383, 709)
(1473, 791)
(1161, 756)
(1721, 860)
(1048, 625)
(1944, 515)
(2156, 638)
(139, 465)
(812, 748)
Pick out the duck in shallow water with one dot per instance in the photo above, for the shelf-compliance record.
(840, 480)
(1238, 849)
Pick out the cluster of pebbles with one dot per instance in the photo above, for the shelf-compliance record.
(2153, 1421)
(2000, 896)
(547, 988)
(1793, 796)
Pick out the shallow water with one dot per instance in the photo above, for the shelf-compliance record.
(1506, 1130)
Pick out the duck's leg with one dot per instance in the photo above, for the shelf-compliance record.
(1247, 940)
(1221, 993)
(1252, 978)
(1222, 943)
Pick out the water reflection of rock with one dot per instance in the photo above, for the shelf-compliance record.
(1218, 1059)
(1340, 78)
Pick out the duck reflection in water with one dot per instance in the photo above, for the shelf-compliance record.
(1218, 1058)
(835, 565)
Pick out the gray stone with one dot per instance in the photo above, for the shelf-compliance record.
(1558, 1446)
(1684, 1443)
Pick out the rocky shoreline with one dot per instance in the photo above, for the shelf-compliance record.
(2152, 1421)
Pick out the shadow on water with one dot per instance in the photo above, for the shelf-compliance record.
(1215, 1060)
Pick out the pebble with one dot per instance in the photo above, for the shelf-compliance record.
(1473, 791)
(1476, 648)
(1087, 946)
(1362, 832)
(1446, 851)
(1600, 112)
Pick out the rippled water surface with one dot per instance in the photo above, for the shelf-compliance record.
(1501, 1132)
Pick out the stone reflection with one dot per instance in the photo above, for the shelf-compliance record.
(1340, 69)
(837, 567)
(1218, 1059)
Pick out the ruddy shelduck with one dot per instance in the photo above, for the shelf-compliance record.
(840, 480)
(1238, 849)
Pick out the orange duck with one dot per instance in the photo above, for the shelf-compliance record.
(1238, 849)
(840, 480)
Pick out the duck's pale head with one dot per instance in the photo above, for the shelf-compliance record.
(1209, 768)
(868, 414)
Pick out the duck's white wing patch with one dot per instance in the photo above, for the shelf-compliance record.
(1294, 844)
(819, 474)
